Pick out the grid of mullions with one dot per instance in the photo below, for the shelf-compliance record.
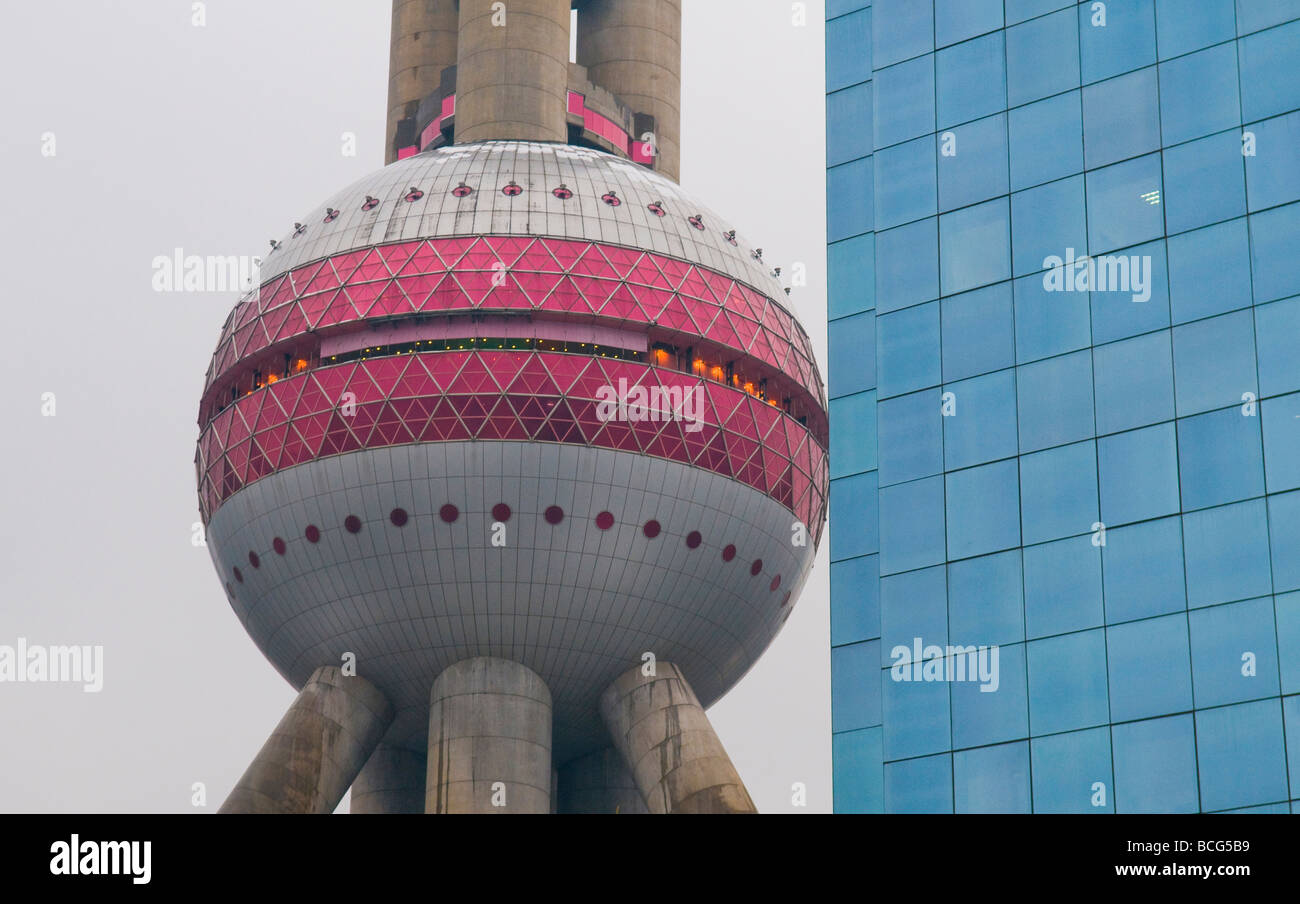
(1173, 421)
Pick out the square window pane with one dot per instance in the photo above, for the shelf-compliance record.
(851, 277)
(1119, 38)
(978, 332)
(1121, 118)
(902, 29)
(1067, 769)
(854, 451)
(848, 112)
(1134, 382)
(1150, 672)
(1144, 570)
(1214, 362)
(1253, 16)
(1281, 423)
(848, 50)
(907, 265)
(974, 247)
(1139, 474)
(1219, 572)
(1209, 271)
(1042, 57)
(1276, 326)
(849, 207)
(853, 349)
(1287, 608)
(1268, 62)
(1220, 459)
(1198, 94)
(911, 437)
(855, 600)
(912, 525)
(904, 101)
(971, 80)
(1046, 140)
(1242, 755)
(1274, 178)
(1155, 766)
(1116, 314)
(1067, 682)
(1048, 221)
(983, 509)
(913, 610)
(975, 168)
(1049, 322)
(919, 786)
(855, 686)
(1054, 399)
(992, 779)
(853, 499)
(1062, 587)
(985, 599)
(1186, 25)
(905, 183)
(1124, 205)
(957, 20)
(1234, 650)
(1272, 252)
(1204, 182)
(908, 349)
(859, 778)
(1284, 534)
(1058, 492)
(983, 427)
(916, 716)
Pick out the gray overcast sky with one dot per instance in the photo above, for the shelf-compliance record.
(213, 140)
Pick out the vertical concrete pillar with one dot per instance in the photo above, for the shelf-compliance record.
(512, 71)
(423, 44)
(666, 740)
(634, 49)
(489, 740)
(391, 782)
(316, 751)
(599, 783)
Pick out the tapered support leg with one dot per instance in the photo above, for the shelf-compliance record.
(315, 753)
(391, 782)
(675, 757)
(489, 740)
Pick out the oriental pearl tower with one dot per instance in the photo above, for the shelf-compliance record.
(515, 460)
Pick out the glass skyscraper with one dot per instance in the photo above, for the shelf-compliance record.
(1065, 419)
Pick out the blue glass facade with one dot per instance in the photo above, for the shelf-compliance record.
(1064, 311)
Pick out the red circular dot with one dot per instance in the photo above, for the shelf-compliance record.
(501, 512)
(605, 520)
(554, 515)
(353, 524)
(449, 513)
(239, 576)
(254, 560)
(756, 567)
(398, 516)
(693, 540)
(278, 545)
(313, 533)
(729, 553)
(776, 582)
(651, 528)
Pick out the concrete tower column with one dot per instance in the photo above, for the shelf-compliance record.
(599, 783)
(512, 71)
(489, 739)
(423, 44)
(675, 757)
(316, 751)
(634, 49)
(391, 782)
